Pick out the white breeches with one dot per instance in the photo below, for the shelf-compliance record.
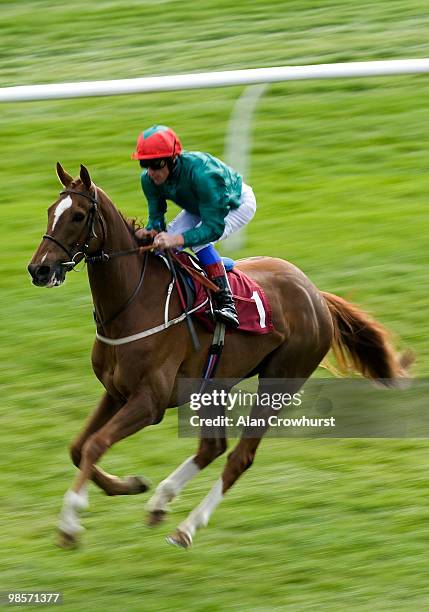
(234, 220)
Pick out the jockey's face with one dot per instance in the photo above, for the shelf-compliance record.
(160, 175)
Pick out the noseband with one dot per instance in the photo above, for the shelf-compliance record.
(90, 223)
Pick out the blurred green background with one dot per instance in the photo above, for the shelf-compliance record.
(340, 170)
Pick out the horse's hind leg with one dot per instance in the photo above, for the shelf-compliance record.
(209, 449)
(112, 485)
(239, 460)
(292, 364)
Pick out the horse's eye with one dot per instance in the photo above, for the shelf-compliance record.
(78, 217)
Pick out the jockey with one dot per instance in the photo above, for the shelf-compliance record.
(215, 201)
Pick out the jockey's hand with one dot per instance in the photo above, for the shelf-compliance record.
(168, 241)
(145, 236)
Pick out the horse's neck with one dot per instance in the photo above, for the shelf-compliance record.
(118, 235)
(110, 281)
(113, 283)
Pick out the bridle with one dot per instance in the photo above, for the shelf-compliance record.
(94, 214)
(101, 257)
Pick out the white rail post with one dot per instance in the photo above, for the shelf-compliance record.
(238, 145)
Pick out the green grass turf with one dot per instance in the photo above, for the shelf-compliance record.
(341, 176)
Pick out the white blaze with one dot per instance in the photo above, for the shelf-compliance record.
(62, 206)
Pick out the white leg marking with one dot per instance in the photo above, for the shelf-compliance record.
(62, 206)
(202, 513)
(73, 504)
(169, 488)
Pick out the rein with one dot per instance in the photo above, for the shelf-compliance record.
(130, 299)
(103, 257)
(167, 322)
(95, 212)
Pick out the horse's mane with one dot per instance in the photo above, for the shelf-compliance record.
(132, 223)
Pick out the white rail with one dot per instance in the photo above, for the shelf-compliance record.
(212, 79)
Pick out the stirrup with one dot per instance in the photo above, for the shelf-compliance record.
(228, 320)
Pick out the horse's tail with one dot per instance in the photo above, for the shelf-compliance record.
(362, 344)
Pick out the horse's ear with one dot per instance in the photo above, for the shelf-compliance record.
(84, 176)
(64, 176)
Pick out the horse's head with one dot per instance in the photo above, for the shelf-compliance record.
(74, 226)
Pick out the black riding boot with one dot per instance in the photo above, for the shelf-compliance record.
(224, 307)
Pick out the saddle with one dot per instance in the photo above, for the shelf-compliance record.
(253, 308)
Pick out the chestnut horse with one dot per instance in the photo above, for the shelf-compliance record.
(141, 376)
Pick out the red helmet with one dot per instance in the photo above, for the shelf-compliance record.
(156, 142)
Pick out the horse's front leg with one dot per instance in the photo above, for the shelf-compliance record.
(110, 484)
(139, 411)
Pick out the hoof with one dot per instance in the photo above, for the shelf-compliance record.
(137, 484)
(155, 518)
(180, 539)
(67, 541)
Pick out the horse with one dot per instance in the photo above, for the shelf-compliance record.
(141, 376)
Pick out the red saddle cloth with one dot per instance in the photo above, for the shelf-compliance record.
(253, 308)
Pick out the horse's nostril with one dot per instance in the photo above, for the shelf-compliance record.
(43, 271)
(39, 272)
(33, 269)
